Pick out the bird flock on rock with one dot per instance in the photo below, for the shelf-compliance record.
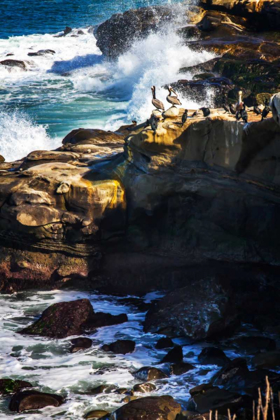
(239, 110)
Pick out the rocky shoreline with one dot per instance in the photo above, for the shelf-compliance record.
(190, 209)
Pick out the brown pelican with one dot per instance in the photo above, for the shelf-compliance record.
(239, 105)
(156, 102)
(184, 117)
(173, 100)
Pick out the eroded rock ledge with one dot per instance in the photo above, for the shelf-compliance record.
(142, 217)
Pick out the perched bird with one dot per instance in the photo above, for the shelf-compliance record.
(184, 117)
(173, 100)
(156, 102)
(154, 123)
(206, 111)
(134, 122)
(239, 104)
(226, 108)
(257, 110)
(232, 109)
(194, 114)
(266, 110)
(147, 123)
(244, 114)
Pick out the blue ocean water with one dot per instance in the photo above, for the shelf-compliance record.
(76, 86)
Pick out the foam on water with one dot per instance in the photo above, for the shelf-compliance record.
(51, 368)
(19, 135)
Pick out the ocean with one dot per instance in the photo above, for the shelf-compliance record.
(76, 86)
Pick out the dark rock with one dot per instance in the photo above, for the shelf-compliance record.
(67, 30)
(33, 400)
(143, 388)
(269, 360)
(197, 311)
(81, 343)
(96, 414)
(80, 32)
(232, 376)
(180, 368)
(120, 347)
(149, 408)
(254, 344)
(41, 52)
(212, 356)
(100, 390)
(118, 33)
(62, 319)
(149, 374)
(13, 63)
(10, 386)
(206, 397)
(175, 355)
(164, 343)
(101, 319)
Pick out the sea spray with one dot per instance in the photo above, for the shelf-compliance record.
(19, 135)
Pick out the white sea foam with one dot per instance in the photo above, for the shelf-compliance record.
(19, 135)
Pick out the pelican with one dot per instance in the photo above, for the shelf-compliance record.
(173, 100)
(239, 105)
(156, 102)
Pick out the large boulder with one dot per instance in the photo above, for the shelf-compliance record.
(33, 400)
(198, 311)
(149, 408)
(71, 318)
(10, 386)
(118, 33)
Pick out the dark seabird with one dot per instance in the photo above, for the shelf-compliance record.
(257, 110)
(184, 117)
(154, 123)
(206, 111)
(173, 100)
(194, 114)
(244, 114)
(232, 109)
(266, 110)
(156, 102)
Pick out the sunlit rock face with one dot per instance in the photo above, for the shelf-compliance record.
(139, 217)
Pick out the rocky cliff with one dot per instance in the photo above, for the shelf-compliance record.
(140, 216)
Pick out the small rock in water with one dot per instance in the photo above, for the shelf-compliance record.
(13, 63)
(143, 388)
(96, 414)
(149, 374)
(33, 400)
(269, 360)
(10, 386)
(67, 30)
(253, 345)
(101, 319)
(120, 347)
(99, 390)
(213, 356)
(164, 343)
(81, 343)
(180, 368)
(173, 356)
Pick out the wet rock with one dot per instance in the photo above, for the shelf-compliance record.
(206, 397)
(81, 343)
(117, 34)
(164, 343)
(10, 386)
(143, 388)
(180, 368)
(41, 53)
(96, 414)
(269, 360)
(120, 347)
(198, 312)
(149, 408)
(13, 63)
(233, 375)
(33, 400)
(101, 319)
(254, 344)
(149, 374)
(100, 390)
(67, 30)
(212, 356)
(129, 398)
(175, 355)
